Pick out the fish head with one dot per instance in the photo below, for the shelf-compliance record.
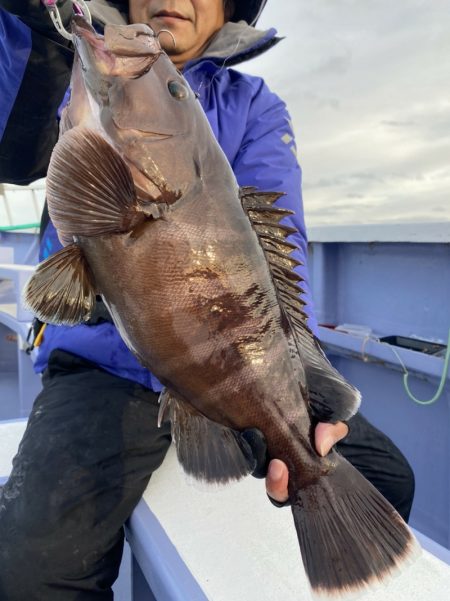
(127, 87)
(123, 51)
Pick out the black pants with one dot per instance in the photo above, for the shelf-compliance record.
(89, 449)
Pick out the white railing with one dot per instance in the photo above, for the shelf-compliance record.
(21, 204)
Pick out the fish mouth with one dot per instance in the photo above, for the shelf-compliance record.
(83, 30)
(91, 45)
(127, 51)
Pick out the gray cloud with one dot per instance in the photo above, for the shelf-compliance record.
(333, 65)
(393, 123)
(321, 101)
(366, 84)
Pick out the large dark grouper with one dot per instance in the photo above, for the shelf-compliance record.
(198, 278)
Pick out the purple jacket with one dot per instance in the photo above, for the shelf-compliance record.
(253, 128)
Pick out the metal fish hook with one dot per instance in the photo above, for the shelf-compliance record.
(170, 33)
(79, 8)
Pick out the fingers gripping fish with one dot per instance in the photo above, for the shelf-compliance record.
(199, 279)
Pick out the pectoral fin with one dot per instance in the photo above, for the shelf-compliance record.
(61, 291)
(90, 189)
(206, 449)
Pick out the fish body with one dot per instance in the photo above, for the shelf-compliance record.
(214, 336)
(198, 278)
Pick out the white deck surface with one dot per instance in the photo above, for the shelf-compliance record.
(239, 547)
(10, 435)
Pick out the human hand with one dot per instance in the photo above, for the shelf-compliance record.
(325, 436)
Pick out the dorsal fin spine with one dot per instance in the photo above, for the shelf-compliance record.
(265, 218)
(331, 396)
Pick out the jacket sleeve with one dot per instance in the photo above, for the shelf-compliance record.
(35, 67)
(267, 160)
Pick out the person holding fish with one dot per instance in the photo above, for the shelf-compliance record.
(93, 439)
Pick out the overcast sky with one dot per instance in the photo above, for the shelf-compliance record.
(367, 83)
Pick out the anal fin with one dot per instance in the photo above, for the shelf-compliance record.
(206, 449)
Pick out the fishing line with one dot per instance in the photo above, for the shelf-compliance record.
(222, 67)
(406, 373)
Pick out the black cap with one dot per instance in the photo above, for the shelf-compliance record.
(248, 10)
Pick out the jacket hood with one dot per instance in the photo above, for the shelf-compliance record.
(233, 44)
(238, 42)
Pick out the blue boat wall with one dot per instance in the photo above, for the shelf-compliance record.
(393, 282)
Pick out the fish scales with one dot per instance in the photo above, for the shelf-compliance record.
(199, 280)
(215, 339)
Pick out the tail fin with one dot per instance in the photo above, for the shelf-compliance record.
(350, 537)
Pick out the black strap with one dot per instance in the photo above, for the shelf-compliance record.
(45, 220)
(100, 314)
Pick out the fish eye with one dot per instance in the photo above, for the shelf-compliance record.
(177, 89)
